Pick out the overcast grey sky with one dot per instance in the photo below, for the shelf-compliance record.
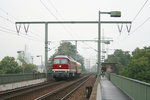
(72, 10)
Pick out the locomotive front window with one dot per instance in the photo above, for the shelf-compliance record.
(56, 61)
(64, 61)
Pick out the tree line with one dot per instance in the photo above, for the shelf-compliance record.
(135, 65)
(8, 65)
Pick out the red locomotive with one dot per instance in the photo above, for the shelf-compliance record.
(65, 67)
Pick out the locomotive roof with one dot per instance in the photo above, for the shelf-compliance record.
(64, 56)
(68, 57)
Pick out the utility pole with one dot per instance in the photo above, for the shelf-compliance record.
(76, 49)
(32, 59)
(23, 52)
(46, 48)
(87, 61)
(89, 64)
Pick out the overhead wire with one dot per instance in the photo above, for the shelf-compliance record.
(137, 28)
(137, 15)
(2, 27)
(7, 29)
(12, 17)
(61, 18)
(90, 46)
(48, 10)
(70, 33)
(54, 47)
(7, 13)
(140, 25)
(6, 19)
(133, 20)
(140, 10)
(12, 32)
(13, 22)
(51, 3)
(8, 32)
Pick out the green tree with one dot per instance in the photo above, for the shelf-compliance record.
(8, 65)
(139, 65)
(80, 59)
(121, 58)
(66, 48)
(29, 68)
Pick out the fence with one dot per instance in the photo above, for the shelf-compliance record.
(10, 78)
(135, 89)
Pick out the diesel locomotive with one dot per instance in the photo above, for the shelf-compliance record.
(64, 67)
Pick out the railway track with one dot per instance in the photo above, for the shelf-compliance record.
(15, 94)
(45, 91)
(66, 91)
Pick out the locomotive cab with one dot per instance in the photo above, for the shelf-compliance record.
(60, 68)
(64, 67)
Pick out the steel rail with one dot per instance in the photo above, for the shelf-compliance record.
(60, 89)
(23, 91)
(21, 88)
(71, 92)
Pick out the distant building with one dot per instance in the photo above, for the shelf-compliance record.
(108, 67)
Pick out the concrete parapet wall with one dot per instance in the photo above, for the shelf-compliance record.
(135, 89)
(11, 78)
(95, 90)
(4, 87)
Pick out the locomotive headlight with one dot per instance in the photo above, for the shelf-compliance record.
(59, 65)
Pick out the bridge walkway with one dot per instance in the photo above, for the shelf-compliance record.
(110, 92)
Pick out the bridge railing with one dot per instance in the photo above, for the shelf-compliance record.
(135, 89)
(10, 78)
